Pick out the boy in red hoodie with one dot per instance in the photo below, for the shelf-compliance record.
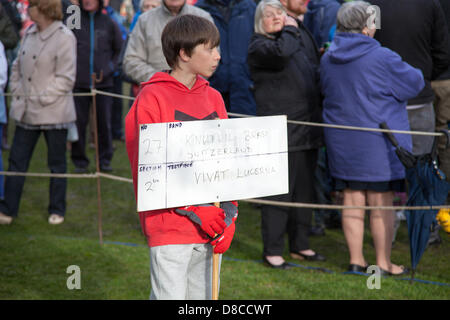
(180, 239)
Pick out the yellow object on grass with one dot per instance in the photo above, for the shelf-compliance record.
(443, 218)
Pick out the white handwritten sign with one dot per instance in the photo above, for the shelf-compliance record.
(196, 162)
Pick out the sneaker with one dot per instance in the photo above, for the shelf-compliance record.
(55, 219)
(5, 219)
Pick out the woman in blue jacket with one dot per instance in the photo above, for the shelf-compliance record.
(364, 85)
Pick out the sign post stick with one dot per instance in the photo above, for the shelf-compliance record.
(215, 274)
(97, 161)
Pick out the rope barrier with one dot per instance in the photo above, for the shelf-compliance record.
(50, 175)
(305, 123)
(66, 175)
(76, 94)
(337, 126)
(114, 95)
(113, 177)
(340, 207)
(255, 201)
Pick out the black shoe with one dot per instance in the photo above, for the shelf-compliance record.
(387, 273)
(106, 168)
(283, 266)
(357, 268)
(315, 257)
(81, 170)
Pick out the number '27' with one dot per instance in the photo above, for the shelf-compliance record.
(152, 146)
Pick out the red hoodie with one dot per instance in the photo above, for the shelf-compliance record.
(165, 99)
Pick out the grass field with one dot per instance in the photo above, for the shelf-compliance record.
(34, 255)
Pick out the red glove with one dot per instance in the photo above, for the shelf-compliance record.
(223, 242)
(209, 218)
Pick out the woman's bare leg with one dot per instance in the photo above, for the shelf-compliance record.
(353, 225)
(382, 229)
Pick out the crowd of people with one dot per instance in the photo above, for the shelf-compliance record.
(312, 60)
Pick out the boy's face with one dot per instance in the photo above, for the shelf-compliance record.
(204, 60)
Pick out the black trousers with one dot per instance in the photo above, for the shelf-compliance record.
(116, 114)
(104, 112)
(296, 222)
(19, 159)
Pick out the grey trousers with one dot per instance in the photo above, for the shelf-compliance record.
(422, 118)
(181, 272)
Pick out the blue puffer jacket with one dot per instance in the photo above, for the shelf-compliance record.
(365, 84)
(234, 19)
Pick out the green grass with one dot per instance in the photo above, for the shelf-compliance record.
(34, 255)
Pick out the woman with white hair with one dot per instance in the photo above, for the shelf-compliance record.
(364, 85)
(144, 6)
(286, 82)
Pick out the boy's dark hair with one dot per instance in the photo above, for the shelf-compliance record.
(186, 32)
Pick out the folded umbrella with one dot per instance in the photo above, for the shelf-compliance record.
(427, 187)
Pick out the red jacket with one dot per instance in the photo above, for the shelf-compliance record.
(164, 99)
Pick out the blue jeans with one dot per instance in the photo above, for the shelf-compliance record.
(19, 160)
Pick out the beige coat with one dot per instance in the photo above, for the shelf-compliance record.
(45, 65)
